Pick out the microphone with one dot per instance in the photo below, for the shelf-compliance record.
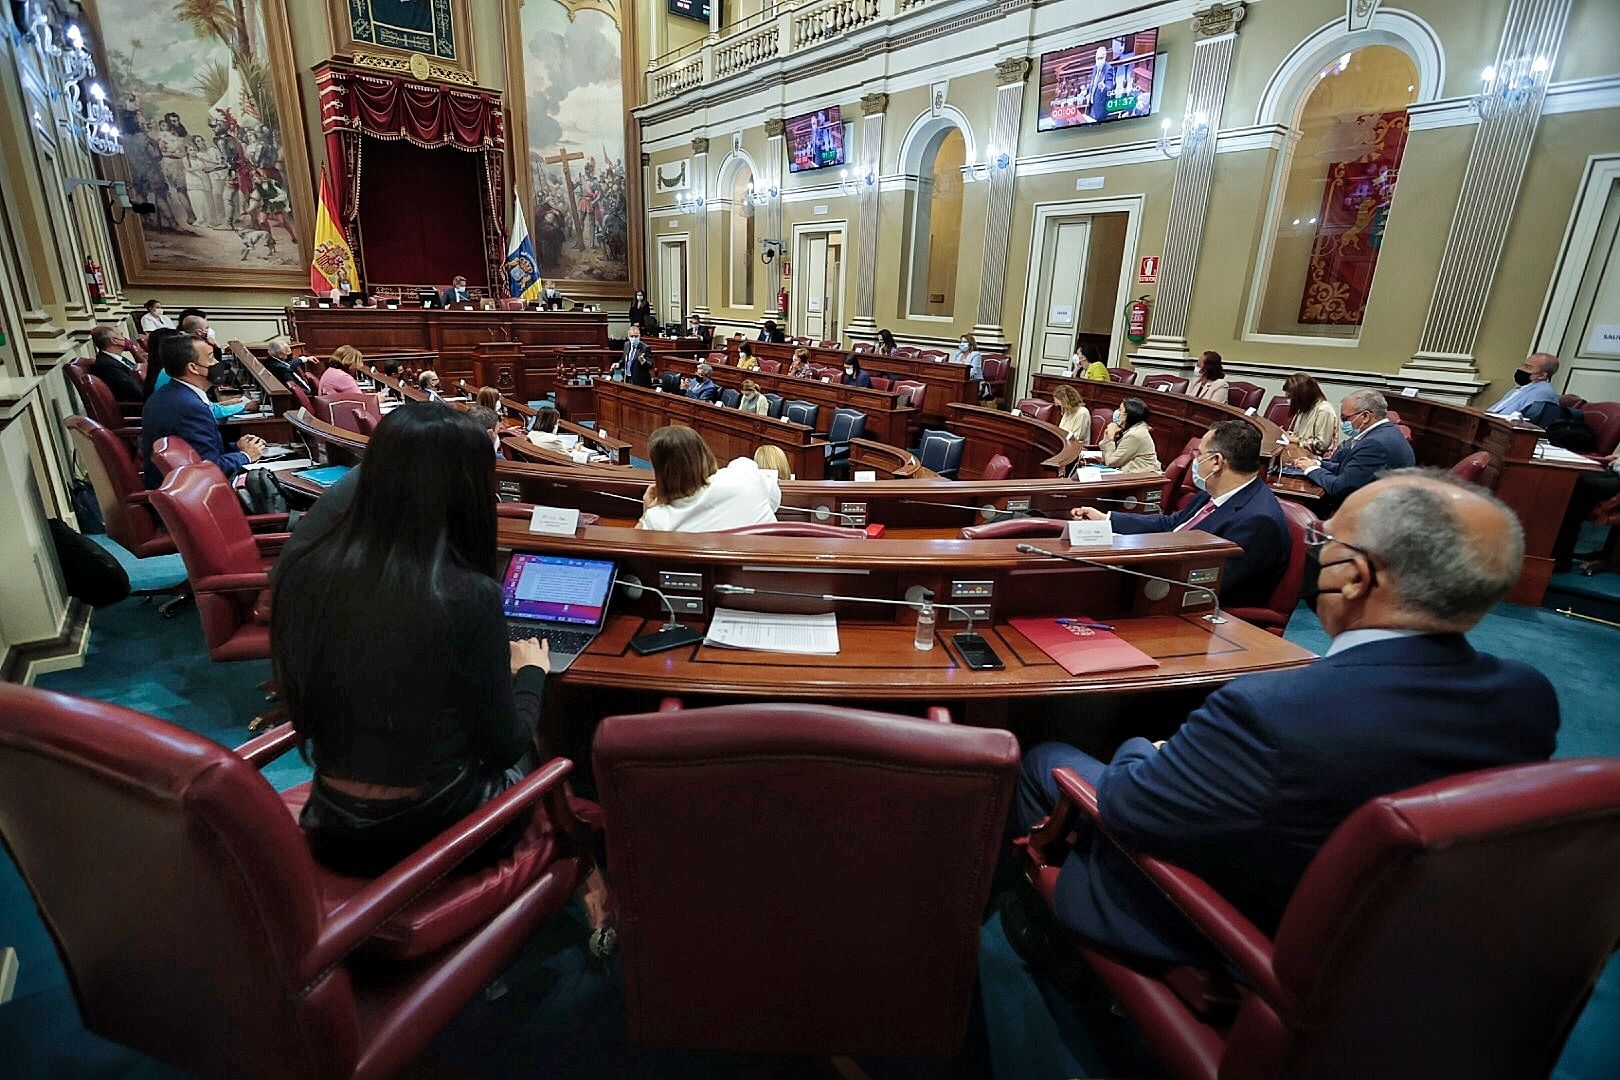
(672, 635)
(1214, 616)
(967, 639)
(822, 513)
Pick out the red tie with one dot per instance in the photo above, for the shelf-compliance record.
(1193, 522)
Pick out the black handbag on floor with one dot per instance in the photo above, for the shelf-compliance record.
(88, 569)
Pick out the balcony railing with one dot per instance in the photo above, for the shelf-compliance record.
(793, 26)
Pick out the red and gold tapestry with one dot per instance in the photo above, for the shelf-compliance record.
(1350, 228)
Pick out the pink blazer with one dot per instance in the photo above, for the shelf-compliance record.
(335, 380)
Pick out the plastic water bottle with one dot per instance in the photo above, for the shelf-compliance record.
(925, 628)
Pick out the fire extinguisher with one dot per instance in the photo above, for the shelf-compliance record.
(782, 301)
(1136, 324)
(95, 281)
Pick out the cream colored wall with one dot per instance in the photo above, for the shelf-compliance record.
(1106, 252)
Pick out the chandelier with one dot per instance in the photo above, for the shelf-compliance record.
(69, 64)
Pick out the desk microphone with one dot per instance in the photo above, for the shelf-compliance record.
(1214, 616)
(622, 498)
(822, 513)
(672, 635)
(965, 641)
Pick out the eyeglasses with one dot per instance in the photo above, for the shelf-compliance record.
(1318, 537)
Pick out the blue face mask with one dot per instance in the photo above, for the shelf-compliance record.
(1200, 481)
(1119, 418)
(1348, 428)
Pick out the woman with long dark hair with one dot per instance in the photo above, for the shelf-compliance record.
(1127, 442)
(390, 645)
(853, 375)
(885, 343)
(1312, 419)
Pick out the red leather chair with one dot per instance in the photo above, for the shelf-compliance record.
(1273, 618)
(881, 382)
(196, 927)
(513, 303)
(718, 358)
(931, 354)
(1124, 375)
(999, 467)
(1101, 417)
(826, 344)
(1572, 401)
(1178, 488)
(770, 367)
(299, 396)
(226, 563)
(1018, 527)
(1472, 467)
(126, 505)
(996, 367)
(797, 528)
(1171, 384)
(1245, 395)
(741, 924)
(1453, 929)
(350, 416)
(904, 350)
(1603, 417)
(171, 452)
(863, 347)
(1279, 411)
(1037, 409)
(918, 393)
(100, 405)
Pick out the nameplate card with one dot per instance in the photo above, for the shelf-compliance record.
(1018, 412)
(1163, 388)
(1250, 411)
(1410, 391)
(554, 520)
(866, 475)
(1090, 533)
(580, 455)
(1088, 474)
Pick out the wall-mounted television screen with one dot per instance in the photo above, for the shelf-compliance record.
(697, 10)
(815, 140)
(1097, 82)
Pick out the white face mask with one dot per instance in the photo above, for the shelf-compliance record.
(962, 346)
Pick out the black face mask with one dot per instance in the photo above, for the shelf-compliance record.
(1310, 586)
(1522, 377)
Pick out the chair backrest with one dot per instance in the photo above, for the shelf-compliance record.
(862, 347)
(1100, 419)
(826, 344)
(116, 480)
(770, 367)
(774, 405)
(999, 467)
(1572, 401)
(1122, 375)
(916, 391)
(941, 451)
(904, 350)
(513, 303)
(1015, 527)
(719, 358)
(1472, 467)
(1172, 384)
(95, 395)
(881, 382)
(1285, 596)
(1394, 417)
(801, 412)
(816, 960)
(671, 382)
(995, 368)
(170, 453)
(211, 532)
(1452, 929)
(797, 528)
(1244, 395)
(177, 887)
(350, 415)
(846, 424)
(1279, 410)
(1037, 409)
(730, 397)
(301, 397)
(1603, 417)
(932, 354)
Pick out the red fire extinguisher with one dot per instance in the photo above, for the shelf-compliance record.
(782, 301)
(95, 281)
(1136, 324)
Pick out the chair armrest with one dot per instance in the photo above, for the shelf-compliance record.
(129, 432)
(231, 583)
(266, 748)
(267, 522)
(271, 543)
(358, 917)
(1259, 616)
(939, 714)
(140, 498)
(1227, 928)
(671, 704)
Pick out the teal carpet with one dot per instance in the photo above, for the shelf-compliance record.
(563, 1014)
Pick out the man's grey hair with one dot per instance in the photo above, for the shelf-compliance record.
(1438, 569)
(193, 323)
(279, 346)
(1368, 401)
(704, 371)
(103, 336)
(485, 417)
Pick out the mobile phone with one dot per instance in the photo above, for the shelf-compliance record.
(976, 652)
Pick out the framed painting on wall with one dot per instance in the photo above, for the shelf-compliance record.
(439, 30)
(213, 139)
(570, 136)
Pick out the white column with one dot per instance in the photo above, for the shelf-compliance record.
(871, 164)
(699, 299)
(776, 133)
(1010, 76)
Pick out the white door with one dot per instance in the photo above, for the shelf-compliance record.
(1589, 355)
(832, 288)
(817, 285)
(1065, 246)
(670, 302)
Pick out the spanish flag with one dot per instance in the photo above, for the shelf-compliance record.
(333, 263)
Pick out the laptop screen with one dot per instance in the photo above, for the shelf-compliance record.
(555, 589)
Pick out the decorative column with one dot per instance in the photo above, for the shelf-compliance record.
(699, 300)
(1010, 76)
(1533, 32)
(775, 132)
(1214, 37)
(866, 203)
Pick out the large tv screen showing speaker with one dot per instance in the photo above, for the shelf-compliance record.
(1098, 82)
(696, 10)
(815, 140)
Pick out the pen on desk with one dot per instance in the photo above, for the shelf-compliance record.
(1085, 625)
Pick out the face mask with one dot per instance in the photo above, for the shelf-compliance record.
(1522, 377)
(210, 333)
(1200, 481)
(1348, 428)
(1310, 587)
(849, 371)
(961, 346)
(1119, 418)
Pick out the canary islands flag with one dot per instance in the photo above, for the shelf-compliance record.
(521, 267)
(332, 265)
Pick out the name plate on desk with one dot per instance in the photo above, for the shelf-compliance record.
(1090, 533)
(1088, 474)
(554, 520)
(865, 475)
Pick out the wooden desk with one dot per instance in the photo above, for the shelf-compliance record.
(886, 418)
(633, 412)
(1034, 447)
(946, 382)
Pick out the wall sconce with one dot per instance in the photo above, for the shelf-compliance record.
(759, 195)
(71, 64)
(850, 184)
(994, 161)
(1194, 131)
(1506, 91)
(689, 202)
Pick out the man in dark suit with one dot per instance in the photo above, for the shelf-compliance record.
(701, 387)
(551, 299)
(180, 407)
(1255, 780)
(113, 364)
(1371, 445)
(457, 293)
(769, 331)
(1101, 86)
(1235, 504)
(279, 361)
(637, 361)
(696, 329)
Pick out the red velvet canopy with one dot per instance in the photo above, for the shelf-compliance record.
(356, 103)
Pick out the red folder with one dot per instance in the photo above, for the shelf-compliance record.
(1080, 650)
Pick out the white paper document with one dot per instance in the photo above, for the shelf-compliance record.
(282, 466)
(805, 635)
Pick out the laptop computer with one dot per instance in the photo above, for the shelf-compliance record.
(561, 600)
